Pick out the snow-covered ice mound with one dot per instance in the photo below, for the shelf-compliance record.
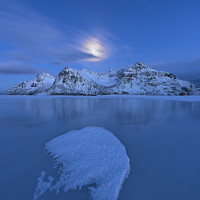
(90, 156)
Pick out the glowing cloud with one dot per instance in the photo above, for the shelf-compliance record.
(93, 46)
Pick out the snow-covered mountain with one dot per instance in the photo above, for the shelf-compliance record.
(37, 85)
(137, 79)
(141, 79)
(196, 82)
(71, 81)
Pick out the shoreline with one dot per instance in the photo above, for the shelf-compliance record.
(169, 98)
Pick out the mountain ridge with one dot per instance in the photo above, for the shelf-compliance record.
(138, 79)
(36, 85)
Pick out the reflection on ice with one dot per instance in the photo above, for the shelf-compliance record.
(135, 111)
(88, 156)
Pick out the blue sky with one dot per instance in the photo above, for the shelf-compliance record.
(99, 35)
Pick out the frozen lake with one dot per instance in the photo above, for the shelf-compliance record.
(161, 136)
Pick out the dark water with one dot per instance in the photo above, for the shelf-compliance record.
(162, 139)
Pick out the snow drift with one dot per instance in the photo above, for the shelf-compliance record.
(90, 156)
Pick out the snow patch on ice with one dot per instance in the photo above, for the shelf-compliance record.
(42, 185)
(88, 156)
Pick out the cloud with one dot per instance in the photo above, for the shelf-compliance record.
(75, 56)
(34, 38)
(11, 67)
(19, 56)
(186, 69)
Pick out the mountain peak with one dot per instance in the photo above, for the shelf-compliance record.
(138, 79)
(69, 69)
(140, 65)
(84, 69)
(44, 74)
(36, 85)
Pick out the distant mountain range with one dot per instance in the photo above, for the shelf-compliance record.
(196, 82)
(138, 79)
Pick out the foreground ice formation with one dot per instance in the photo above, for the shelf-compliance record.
(90, 156)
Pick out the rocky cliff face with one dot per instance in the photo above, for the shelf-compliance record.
(137, 79)
(37, 85)
(141, 79)
(73, 82)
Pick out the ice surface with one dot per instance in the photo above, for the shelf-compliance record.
(90, 156)
(189, 98)
(154, 131)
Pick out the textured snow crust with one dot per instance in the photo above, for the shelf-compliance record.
(90, 156)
